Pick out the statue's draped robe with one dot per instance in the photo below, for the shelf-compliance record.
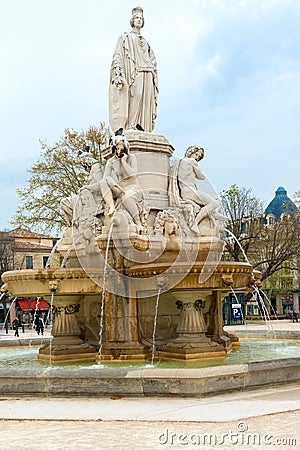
(136, 102)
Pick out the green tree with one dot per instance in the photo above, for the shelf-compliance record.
(243, 211)
(57, 174)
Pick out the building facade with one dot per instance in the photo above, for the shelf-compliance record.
(23, 249)
(279, 295)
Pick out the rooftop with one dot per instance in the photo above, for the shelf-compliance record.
(281, 204)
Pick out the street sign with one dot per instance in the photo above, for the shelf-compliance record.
(236, 311)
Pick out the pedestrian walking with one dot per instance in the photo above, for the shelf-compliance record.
(39, 325)
(21, 325)
(15, 325)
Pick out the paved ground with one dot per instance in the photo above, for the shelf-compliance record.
(279, 431)
(255, 420)
(249, 420)
(274, 325)
(277, 325)
(29, 334)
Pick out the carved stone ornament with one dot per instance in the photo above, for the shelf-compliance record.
(53, 285)
(68, 309)
(227, 279)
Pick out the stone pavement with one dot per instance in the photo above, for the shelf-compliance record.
(243, 330)
(260, 419)
(277, 325)
(250, 420)
(30, 336)
(285, 324)
(285, 329)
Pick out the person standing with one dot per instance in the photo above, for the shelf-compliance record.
(36, 323)
(21, 325)
(15, 325)
(41, 326)
(294, 316)
(133, 89)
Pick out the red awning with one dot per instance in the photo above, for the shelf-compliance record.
(33, 304)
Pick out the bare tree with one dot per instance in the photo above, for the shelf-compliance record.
(243, 210)
(269, 248)
(297, 198)
(278, 246)
(57, 174)
(7, 252)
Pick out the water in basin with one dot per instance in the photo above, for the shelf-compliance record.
(250, 350)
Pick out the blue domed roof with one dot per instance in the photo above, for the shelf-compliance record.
(280, 204)
(282, 190)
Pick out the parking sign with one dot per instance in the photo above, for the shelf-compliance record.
(236, 311)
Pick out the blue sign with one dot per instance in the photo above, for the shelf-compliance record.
(236, 311)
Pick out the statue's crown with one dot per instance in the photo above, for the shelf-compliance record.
(137, 10)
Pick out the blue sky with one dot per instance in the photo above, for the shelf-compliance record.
(229, 80)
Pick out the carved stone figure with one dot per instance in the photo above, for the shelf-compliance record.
(133, 80)
(119, 186)
(166, 225)
(95, 169)
(79, 210)
(67, 205)
(197, 205)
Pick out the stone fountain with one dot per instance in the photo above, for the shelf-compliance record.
(142, 226)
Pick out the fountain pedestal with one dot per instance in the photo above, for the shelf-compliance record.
(66, 343)
(191, 342)
(121, 330)
(215, 329)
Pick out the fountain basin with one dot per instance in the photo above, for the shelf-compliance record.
(188, 332)
(97, 382)
(76, 300)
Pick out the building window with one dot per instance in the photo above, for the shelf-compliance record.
(45, 260)
(29, 262)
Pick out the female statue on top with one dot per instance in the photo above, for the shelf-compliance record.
(133, 80)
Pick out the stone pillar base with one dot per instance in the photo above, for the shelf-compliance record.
(192, 354)
(66, 344)
(122, 351)
(64, 349)
(234, 340)
(181, 348)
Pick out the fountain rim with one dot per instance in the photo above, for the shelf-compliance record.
(223, 267)
(149, 382)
